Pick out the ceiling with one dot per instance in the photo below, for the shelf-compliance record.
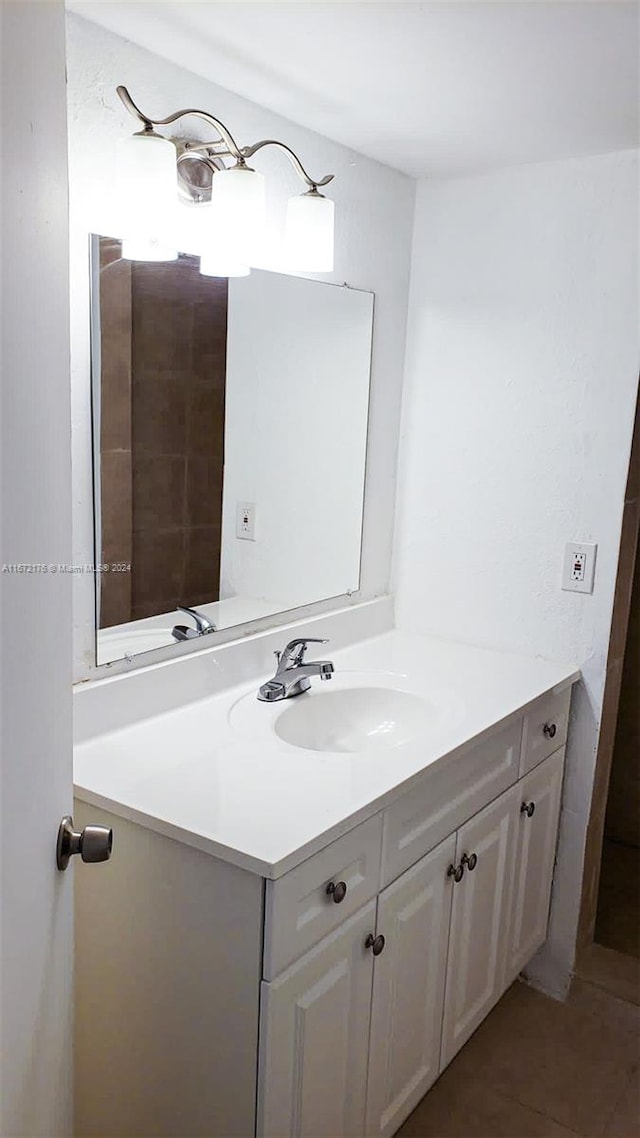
(443, 87)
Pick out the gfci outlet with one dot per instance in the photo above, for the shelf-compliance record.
(246, 521)
(579, 567)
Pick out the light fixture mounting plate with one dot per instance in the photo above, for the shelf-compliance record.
(195, 174)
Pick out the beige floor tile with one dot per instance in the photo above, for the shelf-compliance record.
(563, 1061)
(471, 1109)
(625, 1121)
(617, 1013)
(613, 971)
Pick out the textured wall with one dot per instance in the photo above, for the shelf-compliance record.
(522, 369)
(374, 214)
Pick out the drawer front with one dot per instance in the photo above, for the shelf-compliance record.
(299, 911)
(447, 797)
(545, 729)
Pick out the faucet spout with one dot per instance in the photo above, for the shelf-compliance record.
(203, 626)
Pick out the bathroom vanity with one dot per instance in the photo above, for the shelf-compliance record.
(291, 940)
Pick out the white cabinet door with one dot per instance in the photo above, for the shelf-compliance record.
(408, 990)
(36, 992)
(537, 826)
(480, 918)
(314, 1038)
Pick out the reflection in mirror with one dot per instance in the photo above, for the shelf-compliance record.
(230, 429)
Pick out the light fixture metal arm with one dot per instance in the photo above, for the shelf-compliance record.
(249, 151)
(239, 153)
(225, 134)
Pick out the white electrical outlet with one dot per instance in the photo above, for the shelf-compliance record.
(246, 521)
(579, 567)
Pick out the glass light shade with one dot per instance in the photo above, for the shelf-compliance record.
(146, 249)
(147, 184)
(220, 263)
(308, 235)
(239, 206)
(192, 227)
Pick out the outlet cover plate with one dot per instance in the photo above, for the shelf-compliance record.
(579, 567)
(246, 521)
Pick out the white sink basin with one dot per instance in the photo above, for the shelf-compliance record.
(355, 719)
(353, 713)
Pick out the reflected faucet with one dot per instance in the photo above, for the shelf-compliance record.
(203, 625)
(293, 676)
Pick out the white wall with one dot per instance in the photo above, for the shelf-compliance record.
(36, 951)
(522, 368)
(297, 395)
(374, 211)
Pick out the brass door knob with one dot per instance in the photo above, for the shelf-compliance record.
(528, 808)
(457, 872)
(375, 943)
(470, 860)
(337, 891)
(94, 843)
(549, 730)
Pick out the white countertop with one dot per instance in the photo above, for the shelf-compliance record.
(235, 790)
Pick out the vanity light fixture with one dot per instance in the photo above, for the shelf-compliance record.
(229, 194)
(309, 233)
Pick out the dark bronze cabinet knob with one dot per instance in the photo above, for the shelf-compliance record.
(470, 860)
(549, 730)
(457, 872)
(375, 943)
(528, 808)
(337, 890)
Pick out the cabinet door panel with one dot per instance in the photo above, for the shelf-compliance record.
(480, 918)
(408, 990)
(536, 844)
(314, 1039)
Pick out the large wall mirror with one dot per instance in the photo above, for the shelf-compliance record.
(230, 434)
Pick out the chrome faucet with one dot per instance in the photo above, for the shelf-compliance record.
(293, 676)
(202, 625)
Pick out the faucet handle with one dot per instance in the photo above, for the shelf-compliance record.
(304, 640)
(301, 644)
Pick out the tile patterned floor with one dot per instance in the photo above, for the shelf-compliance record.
(616, 972)
(537, 1068)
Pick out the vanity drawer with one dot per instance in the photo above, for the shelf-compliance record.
(298, 909)
(545, 729)
(446, 797)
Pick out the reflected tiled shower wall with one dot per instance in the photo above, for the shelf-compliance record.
(172, 502)
(116, 507)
